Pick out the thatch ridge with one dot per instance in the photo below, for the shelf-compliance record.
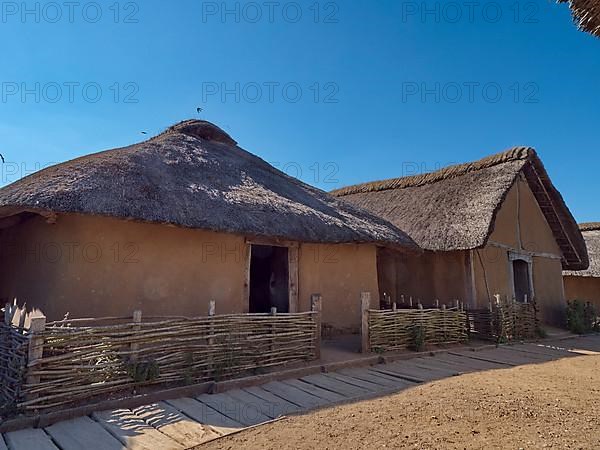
(455, 208)
(193, 175)
(586, 14)
(589, 226)
(514, 154)
(591, 234)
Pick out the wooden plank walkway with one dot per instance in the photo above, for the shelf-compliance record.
(186, 422)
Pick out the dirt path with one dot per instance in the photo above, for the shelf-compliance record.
(551, 405)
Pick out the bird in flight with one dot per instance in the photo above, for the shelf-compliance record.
(2, 157)
(144, 132)
(199, 110)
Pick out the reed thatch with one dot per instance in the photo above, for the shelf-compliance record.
(194, 175)
(586, 14)
(455, 208)
(591, 234)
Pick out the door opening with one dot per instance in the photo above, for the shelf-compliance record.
(269, 279)
(521, 280)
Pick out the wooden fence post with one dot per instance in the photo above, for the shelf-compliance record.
(212, 308)
(316, 306)
(137, 318)
(365, 303)
(36, 349)
(273, 332)
(444, 319)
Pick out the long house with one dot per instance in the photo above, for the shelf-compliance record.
(585, 284)
(497, 226)
(188, 217)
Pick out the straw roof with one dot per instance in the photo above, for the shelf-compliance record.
(591, 234)
(194, 175)
(455, 208)
(586, 14)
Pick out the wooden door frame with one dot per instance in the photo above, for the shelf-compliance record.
(293, 263)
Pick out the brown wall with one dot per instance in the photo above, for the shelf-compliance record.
(583, 288)
(93, 267)
(425, 277)
(521, 225)
(339, 273)
(90, 266)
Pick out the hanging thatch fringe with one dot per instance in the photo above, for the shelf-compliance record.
(586, 14)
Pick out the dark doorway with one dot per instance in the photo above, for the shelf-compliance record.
(521, 280)
(269, 279)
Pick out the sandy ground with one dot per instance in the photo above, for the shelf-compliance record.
(552, 405)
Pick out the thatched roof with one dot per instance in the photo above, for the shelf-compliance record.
(586, 14)
(591, 234)
(455, 208)
(194, 175)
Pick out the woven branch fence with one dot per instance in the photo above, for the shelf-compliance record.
(504, 321)
(75, 360)
(399, 329)
(14, 346)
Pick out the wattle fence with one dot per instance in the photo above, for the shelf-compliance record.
(14, 347)
(414, 327)
(504, 321)
(63, 363)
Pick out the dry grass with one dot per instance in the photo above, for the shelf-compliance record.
(552, 405)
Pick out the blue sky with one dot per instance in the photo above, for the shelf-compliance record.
(334, 92)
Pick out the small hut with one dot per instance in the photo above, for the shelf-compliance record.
(173, 223)
(585, 284)
(494, 226)
(586, 14)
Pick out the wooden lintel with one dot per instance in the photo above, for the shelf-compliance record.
(525, 252)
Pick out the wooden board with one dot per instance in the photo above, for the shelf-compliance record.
(326, 395)
(270, 409)
(286, 407)
(171, 422)
(427, 363)
(205, 415)
(473, 363)
(441, 366)
(510, 357)
(401, 381)
(456, 366)
(358, 382)
(545, 350)
(294, 395)
(29, 439)
(133, 432)
(411, 373)
(488, 357)
(80, 433)
(385, 381)
(527, 357)
(331, 384)
(247, 415)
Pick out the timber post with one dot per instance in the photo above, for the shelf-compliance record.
(365, 304)
(137, 319)
(35, 350)
(316, 305)
(273, 330)
(212, 307)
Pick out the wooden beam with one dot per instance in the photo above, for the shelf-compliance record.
(524, 252)
(293, 265)
(365, 303)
